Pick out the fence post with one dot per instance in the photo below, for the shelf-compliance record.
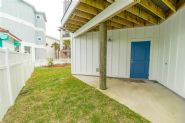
(8, 76)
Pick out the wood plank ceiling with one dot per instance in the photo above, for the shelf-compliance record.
(146, 12)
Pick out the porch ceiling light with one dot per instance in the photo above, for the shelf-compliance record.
(110, 39)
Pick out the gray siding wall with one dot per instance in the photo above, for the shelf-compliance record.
(40, 35)
(40, 22)
(26, 33)
(18, 9)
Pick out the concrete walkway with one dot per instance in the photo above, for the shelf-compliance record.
(149, 99)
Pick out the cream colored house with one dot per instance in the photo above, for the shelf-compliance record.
(51, 51)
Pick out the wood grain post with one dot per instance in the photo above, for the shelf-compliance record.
(103, 55)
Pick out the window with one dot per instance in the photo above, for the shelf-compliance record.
(38, 17)
(27, 49)
(17, 48)
(39, 38)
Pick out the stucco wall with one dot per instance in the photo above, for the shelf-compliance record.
(49, 49)
(40, 53)
(166, 58)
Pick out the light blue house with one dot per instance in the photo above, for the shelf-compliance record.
(26, 23)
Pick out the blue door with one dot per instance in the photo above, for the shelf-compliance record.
(140, 58)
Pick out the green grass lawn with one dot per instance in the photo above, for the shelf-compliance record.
(53, 95)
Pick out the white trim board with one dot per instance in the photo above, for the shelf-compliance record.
(19, 20)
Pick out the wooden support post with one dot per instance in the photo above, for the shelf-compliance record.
(103, 54)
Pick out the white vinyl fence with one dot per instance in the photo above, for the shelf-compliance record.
(15, 69)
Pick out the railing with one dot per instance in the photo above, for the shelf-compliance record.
(15, 69)
(66, 5)
(66, 35)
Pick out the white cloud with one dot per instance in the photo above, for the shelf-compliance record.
(54, 13)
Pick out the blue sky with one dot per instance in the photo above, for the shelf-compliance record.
(54, 13)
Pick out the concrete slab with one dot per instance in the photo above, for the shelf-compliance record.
(151, 100)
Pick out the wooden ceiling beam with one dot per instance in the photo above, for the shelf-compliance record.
(142, 14)
(83, 14)
(127, 16)
(88, 9)
(110, 1)
(71, 30)
(122, 21)
(171, 4)
(99, 4)
(69, 25)
(94, 29)
(180, 4)
(149, 5)
(75, 22)
(114, 24)
(77, 18)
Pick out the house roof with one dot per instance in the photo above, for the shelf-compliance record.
(50, 37)
(10, 34)
(138, 13)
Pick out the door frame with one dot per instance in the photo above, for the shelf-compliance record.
(129, 54)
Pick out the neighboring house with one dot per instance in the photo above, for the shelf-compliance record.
(50, 50)
(9, 41)
(65, 36)
(26, 23)
(145, 39)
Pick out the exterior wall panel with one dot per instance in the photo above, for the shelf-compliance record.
(89, 53)
(95, 53)
(83, 51)
(109, 53)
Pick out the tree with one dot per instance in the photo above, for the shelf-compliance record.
(66, 43)
(56, 47)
